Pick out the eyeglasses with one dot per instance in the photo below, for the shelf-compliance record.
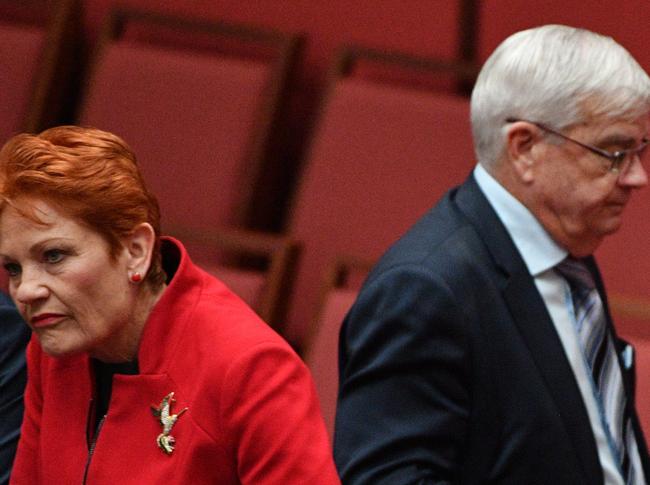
(621, 160)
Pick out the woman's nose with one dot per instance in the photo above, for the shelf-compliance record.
(29, 288)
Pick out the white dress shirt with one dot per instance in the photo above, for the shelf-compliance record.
(541, 254)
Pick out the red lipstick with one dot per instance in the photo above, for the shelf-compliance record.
(45, 319)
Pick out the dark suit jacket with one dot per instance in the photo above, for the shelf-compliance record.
(451, 370)
(14, 335)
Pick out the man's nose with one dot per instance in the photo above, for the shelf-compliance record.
(635, 176)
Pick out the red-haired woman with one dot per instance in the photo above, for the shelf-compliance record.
(144, 369)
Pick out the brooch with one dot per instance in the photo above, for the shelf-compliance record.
(167, 419)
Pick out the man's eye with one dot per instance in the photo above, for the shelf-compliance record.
(12, 269)
(53, 256)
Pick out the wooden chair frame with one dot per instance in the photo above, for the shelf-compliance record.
(348, 56)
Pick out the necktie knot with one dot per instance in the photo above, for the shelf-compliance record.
(576, 273)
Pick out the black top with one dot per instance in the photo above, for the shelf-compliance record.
(14, 335)
(104, 384)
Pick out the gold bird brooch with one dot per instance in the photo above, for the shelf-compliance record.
(165, 440)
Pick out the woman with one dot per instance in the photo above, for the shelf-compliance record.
(144, 368)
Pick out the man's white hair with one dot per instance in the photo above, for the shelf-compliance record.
(556, 75)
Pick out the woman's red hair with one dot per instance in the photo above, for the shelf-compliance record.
(90, 174)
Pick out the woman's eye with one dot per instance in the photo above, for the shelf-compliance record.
(53, 256)
(12, 269)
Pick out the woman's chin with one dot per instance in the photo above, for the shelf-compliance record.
(56, 348)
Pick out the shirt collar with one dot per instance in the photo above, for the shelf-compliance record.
(536, 247)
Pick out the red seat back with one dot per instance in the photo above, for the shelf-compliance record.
(381, 156)
(340, 284)
(199, 120)
(188, 117)
(322, 356)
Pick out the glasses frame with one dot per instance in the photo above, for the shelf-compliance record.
(620, 160)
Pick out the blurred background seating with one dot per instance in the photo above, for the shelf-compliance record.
(382, 153)
(199, 103)
(282, 135)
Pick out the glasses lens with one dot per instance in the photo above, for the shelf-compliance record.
(621, 161)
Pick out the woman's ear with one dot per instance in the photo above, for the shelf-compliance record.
(139, 248)
(521, 141)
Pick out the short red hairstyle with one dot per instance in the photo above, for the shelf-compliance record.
(92, 175)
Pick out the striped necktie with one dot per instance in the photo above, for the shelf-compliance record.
(600, 354)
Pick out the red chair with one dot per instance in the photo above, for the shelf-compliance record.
(198, 101)
(381, 155)
(338, 292)
(38, 41)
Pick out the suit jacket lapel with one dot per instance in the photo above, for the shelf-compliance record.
(535, 326)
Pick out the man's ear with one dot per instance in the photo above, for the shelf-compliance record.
(139, 248)
(521, 140)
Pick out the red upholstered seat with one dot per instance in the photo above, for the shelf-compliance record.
(322, 356)
(248, 285)
(381, 157)
(339, 286)
(257, 266)
(198, 101)
(189, 117)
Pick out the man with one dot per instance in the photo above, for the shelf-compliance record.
(480, 349)
(14, 335)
